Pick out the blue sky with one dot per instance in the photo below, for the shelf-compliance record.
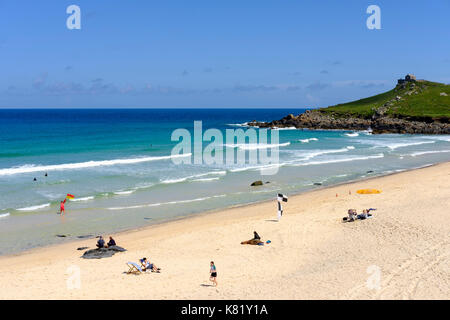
(246, 53)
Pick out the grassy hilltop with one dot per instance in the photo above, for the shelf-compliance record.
(419, 100)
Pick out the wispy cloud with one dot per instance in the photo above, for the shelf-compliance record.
(317, 86)
(39, 82)
(362, 83)
(252, 88)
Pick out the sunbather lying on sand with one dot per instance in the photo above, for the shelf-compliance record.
(255, 241)
(352, 215)
(363, 215)
(252, 241)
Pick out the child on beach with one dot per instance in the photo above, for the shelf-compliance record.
(213, 273)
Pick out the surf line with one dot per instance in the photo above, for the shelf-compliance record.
(248, 147)
(87, 164)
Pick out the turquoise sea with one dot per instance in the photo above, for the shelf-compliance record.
(118, 164)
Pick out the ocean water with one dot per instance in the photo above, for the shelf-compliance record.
(119, 166)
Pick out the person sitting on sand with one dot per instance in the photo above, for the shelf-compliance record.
(146, 265)
(100, 242)
(111, 242)
(351, 215)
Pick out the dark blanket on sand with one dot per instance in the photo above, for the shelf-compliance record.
(102, 252)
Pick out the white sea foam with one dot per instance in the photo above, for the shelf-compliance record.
(206, 179)
(83, 199)
(415, 154)
(162, 203)
(34, 208)
(4, 215)
(313, 154)
(304, 156)
(394, 146)
(245, 124)
(82, 165)
(350, 147)
(196, 177)
(169, 181)
(383, 143)
(353, 134)
(380, 155)
(220, 173)
(261, 167)
(286, 128)
(308, 140)
(125, 192)
(256, 146)
(440, 138)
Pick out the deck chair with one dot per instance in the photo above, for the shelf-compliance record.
(134, 268)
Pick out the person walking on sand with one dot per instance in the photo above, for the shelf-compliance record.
(213, 273)
(61, 208)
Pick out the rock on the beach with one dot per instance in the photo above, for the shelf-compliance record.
(82, 248)
(102, 252)
(85, 236)
(257, 183)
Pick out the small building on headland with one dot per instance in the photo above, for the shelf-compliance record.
(408, 78)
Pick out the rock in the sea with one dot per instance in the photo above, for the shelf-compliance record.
(317, 184)
(61, 235)
(85, 236)
(257, 183)
(100, 253)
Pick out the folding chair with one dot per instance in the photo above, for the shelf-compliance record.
(134, 268)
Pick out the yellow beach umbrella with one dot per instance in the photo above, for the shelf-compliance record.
(368, 191)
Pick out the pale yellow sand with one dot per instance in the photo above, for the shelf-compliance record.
(313, 255)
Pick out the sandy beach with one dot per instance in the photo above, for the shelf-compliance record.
(403, 252)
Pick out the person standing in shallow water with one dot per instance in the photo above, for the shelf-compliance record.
(213, 273)
(61, 209)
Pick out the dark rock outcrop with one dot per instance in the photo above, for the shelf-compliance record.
(379, 123)
(102, 252)
(257, 183)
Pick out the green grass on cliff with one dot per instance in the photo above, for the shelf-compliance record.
(423, 102)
